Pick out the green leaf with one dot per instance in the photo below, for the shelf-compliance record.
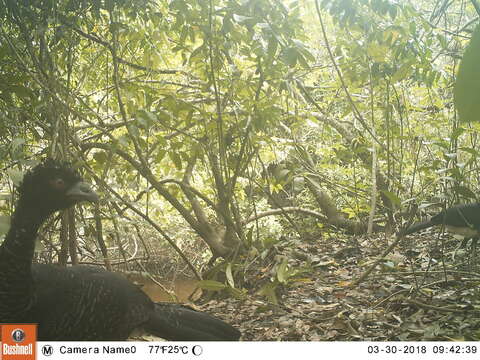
(464, 191)
(471, 151)
(133, 130)
(442, 40)
(211, 285)
(282, 272)
(16, 143)
(392, 10)
(160, 155)
(412, 27)
(124, 140)
(268, 290)
(148, 116)
(377, 52)
(249, 237)
(290, 56)
(457, 132)
(4, 51)
(20, 90)
(4, 224)
(271, 49)
(228, 272)
(402, 73)
(39, 247)
(467, 87)
(176, 159)
(392, 197)
(15, 175)
(197, 54)
(241, 19)
(100, 157)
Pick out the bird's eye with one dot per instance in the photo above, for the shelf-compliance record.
(58, 183)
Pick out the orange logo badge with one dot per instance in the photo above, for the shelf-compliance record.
(18, 341)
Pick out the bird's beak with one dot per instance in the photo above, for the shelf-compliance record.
(82, 192)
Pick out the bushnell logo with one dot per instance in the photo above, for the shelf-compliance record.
(18, 335)
(18, 341)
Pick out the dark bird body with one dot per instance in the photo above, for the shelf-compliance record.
(461, 219)
(81, 302)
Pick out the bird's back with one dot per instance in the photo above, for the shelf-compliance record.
(86, 303)
(467, 215)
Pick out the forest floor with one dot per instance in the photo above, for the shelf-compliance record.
(423, 290)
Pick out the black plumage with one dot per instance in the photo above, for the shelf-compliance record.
(80, 302)
(461, 219)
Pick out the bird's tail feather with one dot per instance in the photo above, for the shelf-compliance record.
(417, 227)
(180, 323)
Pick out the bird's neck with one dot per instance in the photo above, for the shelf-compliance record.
(16, 253)
(20, 240)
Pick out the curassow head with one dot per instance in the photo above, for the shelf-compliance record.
(52, 186)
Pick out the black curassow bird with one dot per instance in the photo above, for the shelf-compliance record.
(80, 302)
(461, 219)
